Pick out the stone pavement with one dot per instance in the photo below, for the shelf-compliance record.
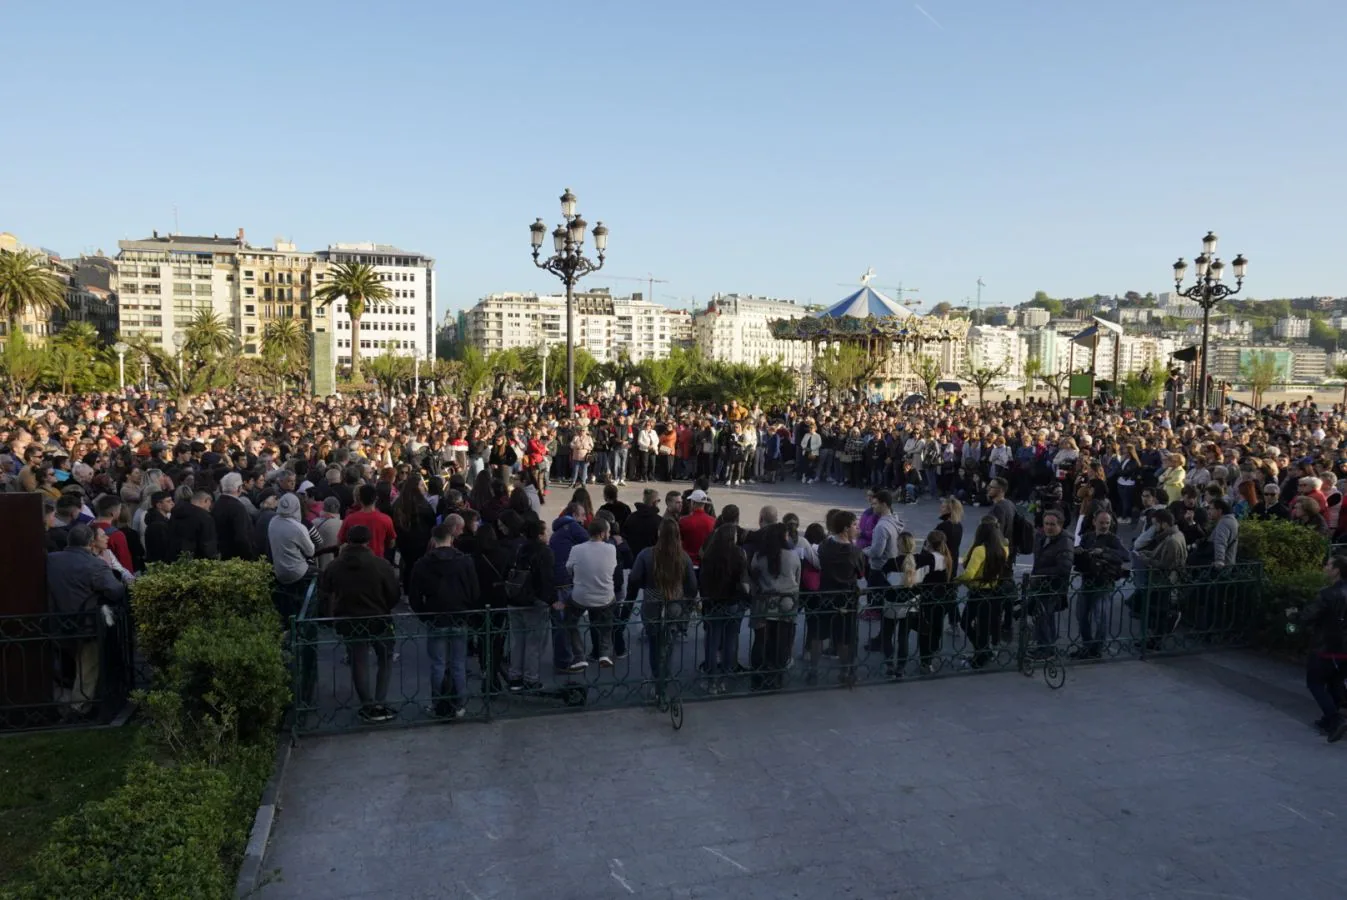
(1186, 778)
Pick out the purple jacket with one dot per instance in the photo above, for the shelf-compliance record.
(867, 526)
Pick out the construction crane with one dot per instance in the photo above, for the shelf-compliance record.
(649, 280)
(898, 292)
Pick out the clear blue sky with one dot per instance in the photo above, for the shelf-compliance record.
(777, 148)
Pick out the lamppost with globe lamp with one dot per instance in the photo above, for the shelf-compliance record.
(570, 265)
(1207, 291)
(120, 349)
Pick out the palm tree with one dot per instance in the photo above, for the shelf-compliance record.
(65, 365)
(473, 374)
(80, 335)
(27, 282)
(285, 346)
(357, 284)
(209, 336)
(20, 363)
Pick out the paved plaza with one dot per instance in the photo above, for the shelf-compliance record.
(1187, 778)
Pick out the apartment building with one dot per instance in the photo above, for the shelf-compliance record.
(403, 323)
(992, 347)
(164, 281)
(605, 325)
(735, 328)
(88, 296)
(274, 283)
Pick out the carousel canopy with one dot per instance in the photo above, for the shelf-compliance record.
(864, 303)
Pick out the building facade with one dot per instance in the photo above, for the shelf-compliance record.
(1291, 328)
(735, 328)
(402, 324)
(273, 283)
(89, 296)
(608, 327)
(990, 347)
(163, 282)
(1033, 317)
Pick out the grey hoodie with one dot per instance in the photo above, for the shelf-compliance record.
(884, 541)
(291, 546)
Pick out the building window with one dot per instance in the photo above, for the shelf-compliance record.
(248, 274)
(320, 312)
(248, 292)
(250, 309)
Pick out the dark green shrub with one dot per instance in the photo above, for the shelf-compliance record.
(226, 685)
(166, 833)
(169, 599)
(1284, 548)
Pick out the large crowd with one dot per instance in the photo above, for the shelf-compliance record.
(446, 506)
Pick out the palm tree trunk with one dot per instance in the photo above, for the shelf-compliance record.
(355, 349)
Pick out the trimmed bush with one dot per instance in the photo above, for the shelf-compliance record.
(169, 599)
(1293, 559)
(166, 833)
(226, 685)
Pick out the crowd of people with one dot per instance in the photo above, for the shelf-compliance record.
(445, 506)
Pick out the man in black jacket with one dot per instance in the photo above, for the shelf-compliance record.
(360, 590)
(158, 535)
(1049, 580)
(233, 524)
(641, 529)
(1100, 560)
(444, 590)
(191, 531)
(1326, 663)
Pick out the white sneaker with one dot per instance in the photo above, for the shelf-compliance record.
(605, 662)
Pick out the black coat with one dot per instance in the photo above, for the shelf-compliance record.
(641, 529)
(357, 583)
(158, 537)
(192, 533)
(414, 538)
(233, 528)
(444, 586)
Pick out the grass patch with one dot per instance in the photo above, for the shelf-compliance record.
(49, 775)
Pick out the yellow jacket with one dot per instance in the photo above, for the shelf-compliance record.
(972, 567)
(1172, 482)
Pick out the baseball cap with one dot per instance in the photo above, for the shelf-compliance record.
(698, 496)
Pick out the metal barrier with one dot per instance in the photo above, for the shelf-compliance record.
(65, 669)
(497, 663)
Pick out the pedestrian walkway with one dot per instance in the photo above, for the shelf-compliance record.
(1193, 777)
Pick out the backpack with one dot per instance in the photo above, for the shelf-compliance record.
(1022, 539)
(518, 584)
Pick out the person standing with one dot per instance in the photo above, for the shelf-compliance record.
(292, 552)
(413, 520)
(158, 538)
(567, 534)
(664, 579)
(1326, 662)
(696, 527)
(528, 610)
(382, 534)
(78, 584)
(444, 588)
(360, 590)
(233, 522)
(775, 575)
(841, 566)
(593, 570)
(192, 530)
(1050, 581)
(1100, 560)
(723, 579)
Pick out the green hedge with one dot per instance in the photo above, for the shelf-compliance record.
(1293, 560)
(167, 832)
(169, 599)
(177, 827)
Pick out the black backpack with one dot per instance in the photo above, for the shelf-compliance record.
(518, 585)
(1022, 539)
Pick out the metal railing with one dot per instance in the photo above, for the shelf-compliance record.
(65, 669)
(352, 673)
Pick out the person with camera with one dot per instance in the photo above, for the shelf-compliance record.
(1100, 559)
(1326, 664)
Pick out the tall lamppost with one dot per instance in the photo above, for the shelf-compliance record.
(1208, 291)
(180, 343)
(570, 265)
(120, 349)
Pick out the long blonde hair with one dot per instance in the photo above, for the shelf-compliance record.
(907, 548)
(938, 543)
(955, 509)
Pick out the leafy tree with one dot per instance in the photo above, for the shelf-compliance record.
(1056, 382)
(621, 371)
(1139, 391)
(20, 363)
(657, 376)
(474, 373)
(941, 309)
(982, 378)
(1043, 301)
(844, 368)
(1260, 372)
(1033, 368)
(358, 284)
(65, 366)
(80, 335)
(28, 283)
(390, 370)
(505, 366)
(1340, 371)
(927, 370)
(1323, 335)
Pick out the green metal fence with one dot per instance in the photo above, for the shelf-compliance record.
(400, 669)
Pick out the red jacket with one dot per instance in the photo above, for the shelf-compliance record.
(695, 528)
(116, 543)
(382, 534)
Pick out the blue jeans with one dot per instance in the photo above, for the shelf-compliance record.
(722, 638)
(1092, 614)
(932, 484)
(601, 464)
(449, 644)
(1125, 492)
(561, 644)
(579, 471)
(620, 464)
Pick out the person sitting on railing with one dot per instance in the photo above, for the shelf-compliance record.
(1165, 559)
(360, 590)
(79, 582)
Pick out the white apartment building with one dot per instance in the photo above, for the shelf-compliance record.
(1170, 303)
(1291, 328)
(1033, 317)
(1138, 352)
(735, 328)
(993, 347)
(402, 323)
(163, 281)
(605, 325)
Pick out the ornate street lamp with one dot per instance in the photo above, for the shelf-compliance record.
(570, 265)
(1208, 291)
(180, 344)
(120, 349)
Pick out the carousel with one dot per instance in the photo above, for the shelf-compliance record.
(890, 334)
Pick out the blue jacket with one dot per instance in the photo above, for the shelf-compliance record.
(566, 533)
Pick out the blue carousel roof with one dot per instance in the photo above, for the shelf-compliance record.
(865, 302)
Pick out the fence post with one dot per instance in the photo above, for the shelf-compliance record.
(488, 668)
